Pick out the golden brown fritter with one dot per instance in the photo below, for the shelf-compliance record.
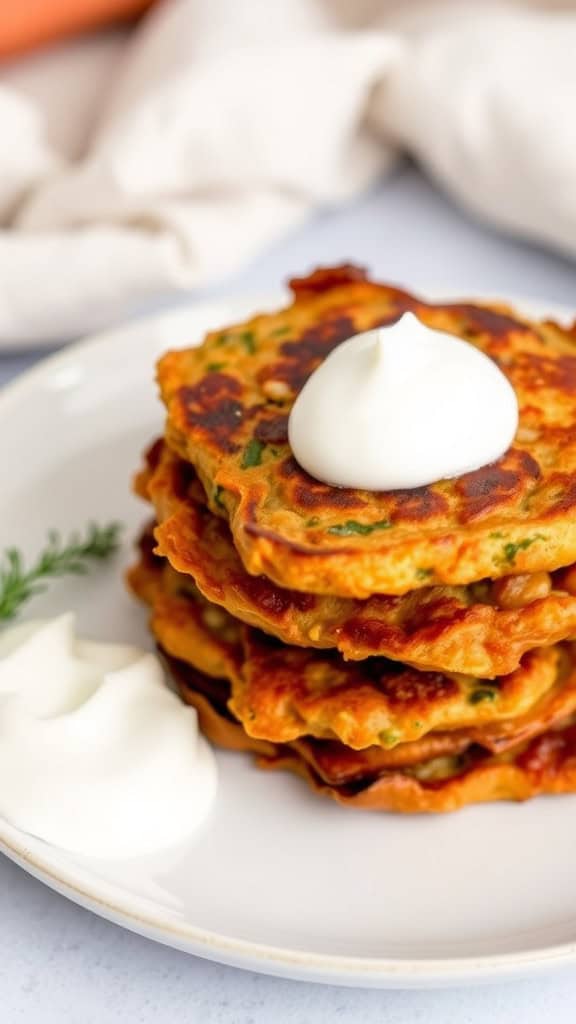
(442, 781)
(285, 692)
(190, 629)
(281, 693)
(228, 403)
(546, 765)
(451, 629)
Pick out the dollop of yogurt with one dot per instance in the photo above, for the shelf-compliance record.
(97, 754)
(401, 407)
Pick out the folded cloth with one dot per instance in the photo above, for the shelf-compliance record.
(215, 127)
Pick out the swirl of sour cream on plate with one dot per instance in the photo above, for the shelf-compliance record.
(97, 754)
(400, 407)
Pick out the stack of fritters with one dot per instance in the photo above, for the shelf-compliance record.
(406, 650)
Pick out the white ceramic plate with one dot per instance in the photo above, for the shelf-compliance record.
(277, 880)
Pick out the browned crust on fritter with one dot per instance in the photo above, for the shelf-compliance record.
(228, 403)
(281, 693)
(286, 692)
(544, 765)
(547, 766)
(434, 628)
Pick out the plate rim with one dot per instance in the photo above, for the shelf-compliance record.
(367, 972)
(85, 889)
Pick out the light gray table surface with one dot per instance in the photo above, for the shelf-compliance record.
(62, 965)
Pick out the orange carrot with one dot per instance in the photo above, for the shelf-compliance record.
(25, 24)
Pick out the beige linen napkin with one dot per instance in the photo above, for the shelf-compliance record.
(140, 166)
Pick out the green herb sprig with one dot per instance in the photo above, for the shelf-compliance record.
(247, 339)
(481, 694)
(351, 527)
(511, 549)
(252, 455)
(59, 558)
(424, 574)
